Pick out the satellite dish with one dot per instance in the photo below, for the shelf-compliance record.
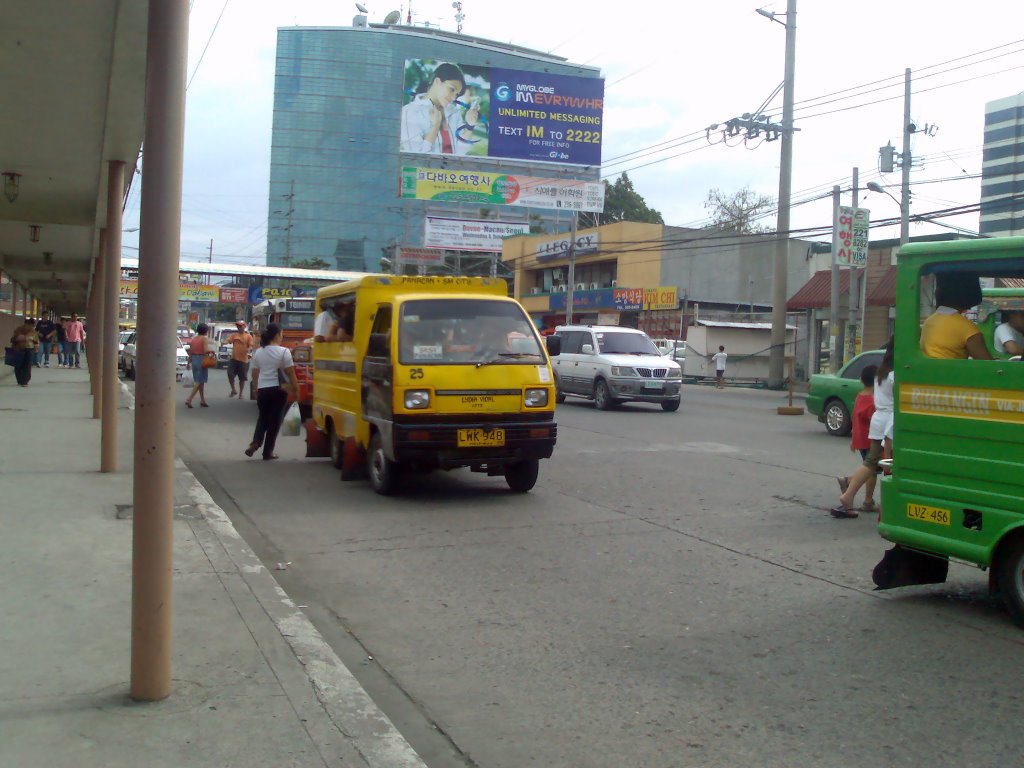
(393, 18)
(361, 8)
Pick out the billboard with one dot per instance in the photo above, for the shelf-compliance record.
(852, 230)
(470, 234)
(620, 299)
(462, 109)
(501, 189)
(129, 289)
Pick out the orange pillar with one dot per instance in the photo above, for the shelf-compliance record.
(106, 313)
(159, 253)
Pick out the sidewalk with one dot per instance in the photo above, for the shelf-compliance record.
(255, 685)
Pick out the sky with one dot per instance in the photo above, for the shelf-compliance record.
(671, 70)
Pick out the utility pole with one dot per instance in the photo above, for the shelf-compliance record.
(851, 316)
(905, 159)
(777, 354)
(572, 270)
(833, 314)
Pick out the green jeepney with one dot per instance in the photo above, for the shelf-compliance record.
(956, 491)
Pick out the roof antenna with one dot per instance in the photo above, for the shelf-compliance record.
(408, 18)
(459, 15)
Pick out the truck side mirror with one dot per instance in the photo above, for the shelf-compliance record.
(587, 349)
(379, 345)
(554, 345)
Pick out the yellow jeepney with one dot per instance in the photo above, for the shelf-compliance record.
(434, 373)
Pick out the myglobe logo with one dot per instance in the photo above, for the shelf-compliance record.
(503, 92)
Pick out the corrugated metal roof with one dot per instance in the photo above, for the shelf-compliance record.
(1010, 282)
(816, 293)
(748, 326)
(250, 270)
(884, 293)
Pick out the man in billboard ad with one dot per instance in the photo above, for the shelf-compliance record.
(460, 109)
(442, 112)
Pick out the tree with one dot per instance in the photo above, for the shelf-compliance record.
(623, 203)
(738, 212)
(314, 262)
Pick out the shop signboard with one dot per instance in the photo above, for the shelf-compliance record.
(233, 295)
(500, 113)
(407, 255)
(620, 299)
(470, 234)
(129, 289)
(663, 297)
(558, 248)
(485, 188)
(852, 235)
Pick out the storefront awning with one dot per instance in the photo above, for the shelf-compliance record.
(884, 293)
(816, 293)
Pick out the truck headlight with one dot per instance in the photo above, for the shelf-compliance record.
(535, 398)
(416, 399)
(674, 373)
(623, 371)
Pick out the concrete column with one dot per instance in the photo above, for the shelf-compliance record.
(159, 253)
(95, 311)
(106, 350)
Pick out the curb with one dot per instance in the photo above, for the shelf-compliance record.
(347, 704)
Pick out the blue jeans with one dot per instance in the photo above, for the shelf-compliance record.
(74, 349)
(43, 352)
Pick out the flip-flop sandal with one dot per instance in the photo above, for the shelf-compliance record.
(844, 483)
(869, 506)
(841, 513)
(251, 449)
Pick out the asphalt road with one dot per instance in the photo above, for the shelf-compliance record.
(672, 593)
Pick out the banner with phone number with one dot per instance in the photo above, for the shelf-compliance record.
(501, 189)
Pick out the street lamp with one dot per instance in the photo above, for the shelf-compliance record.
(874, 186)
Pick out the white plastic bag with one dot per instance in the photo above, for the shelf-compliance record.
(187, 380)
(292, 424)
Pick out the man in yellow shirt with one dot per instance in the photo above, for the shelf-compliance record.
(947, 333)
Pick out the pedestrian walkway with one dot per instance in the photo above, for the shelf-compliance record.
(254, 684)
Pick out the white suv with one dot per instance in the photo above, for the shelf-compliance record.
(610, 365)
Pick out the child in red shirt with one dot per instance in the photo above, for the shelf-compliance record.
(863, 409)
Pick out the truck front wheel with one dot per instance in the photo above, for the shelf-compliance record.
(1010, 578)
(522, 476)
(383, 471)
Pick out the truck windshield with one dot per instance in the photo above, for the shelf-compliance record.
(446, 331)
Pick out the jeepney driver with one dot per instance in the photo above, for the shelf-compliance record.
(1009, 335)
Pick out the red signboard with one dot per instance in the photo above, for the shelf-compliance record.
(233, 295)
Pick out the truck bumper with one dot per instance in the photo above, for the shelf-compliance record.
(436, 445)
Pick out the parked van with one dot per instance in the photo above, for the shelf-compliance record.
(441, 372)
(956, 492)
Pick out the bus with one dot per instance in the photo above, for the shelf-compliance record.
(296, 318)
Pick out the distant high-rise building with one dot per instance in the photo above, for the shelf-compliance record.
(340, 139)
(1002, 174)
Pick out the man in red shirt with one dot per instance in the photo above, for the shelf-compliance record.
(74, 333)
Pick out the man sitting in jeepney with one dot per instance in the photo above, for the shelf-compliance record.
(947, 333)
(335, 323)
(1009, 335)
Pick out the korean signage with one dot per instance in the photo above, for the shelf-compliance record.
(620, 299)
(482, 188)
(186, 291)
(559, 248)
(470, 234)
(462, 109)
(408, 255)
(852, 226)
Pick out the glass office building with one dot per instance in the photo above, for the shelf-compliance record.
(335, 164)
(1002, 172)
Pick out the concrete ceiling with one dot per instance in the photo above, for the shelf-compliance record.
(71, 99)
